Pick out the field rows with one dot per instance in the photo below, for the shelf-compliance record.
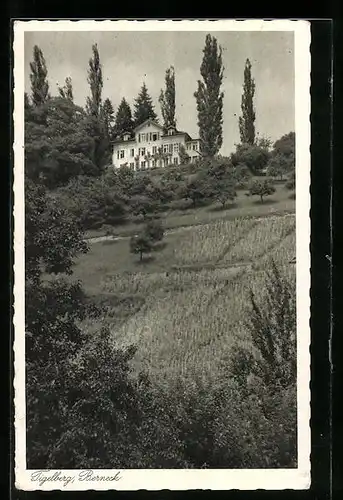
(190, 319)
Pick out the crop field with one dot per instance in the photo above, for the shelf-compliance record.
(184, 307)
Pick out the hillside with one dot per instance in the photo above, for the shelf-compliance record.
(183, 306)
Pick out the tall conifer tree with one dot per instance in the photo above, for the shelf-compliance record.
(144, 108)
(95, 82)
(96, 128)
(247, 120)
(209, 98)
(67, 90)
(107, 116)
(123, 120)
(167, 99)
(38, 77)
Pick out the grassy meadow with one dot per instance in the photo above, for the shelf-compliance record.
(184, 305)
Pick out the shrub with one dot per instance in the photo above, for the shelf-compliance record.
(112, 419)
(278, 166)
(94, 201)
(266, 372)
(196, 190)
(241, 175)
(252, 156)
(285, 146)
(154, 230)
(223, 190)
(142, 205)
(272, 327)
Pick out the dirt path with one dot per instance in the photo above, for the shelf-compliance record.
(99, 239)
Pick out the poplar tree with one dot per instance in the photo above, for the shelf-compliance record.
(96, 128)
(209, 98)
(95, 82)
(167, 99)
(123, 119)
(38, 77)
(66, 92)
(247, 120)
(107, 113)
(144, 108)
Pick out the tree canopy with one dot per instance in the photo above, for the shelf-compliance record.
(123, 119)
(95, 81)
(107, 116)
(38, 77)
(57, 146)
(247, 120)
(66, 92)
(167, 99)
(144, 108)
(209, 98)
(262, 188)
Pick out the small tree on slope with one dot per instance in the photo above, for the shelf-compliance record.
(262, 188)
(141, 244)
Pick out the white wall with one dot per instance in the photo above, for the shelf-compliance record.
(169, 144)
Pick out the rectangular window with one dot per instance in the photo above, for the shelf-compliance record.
(195, 147)
(176, 161)
(176, 148)
(132, 152)
(154, 163)
(143, 138)
(154, 150)
(139, 137)
(154, 137)
(170, 148)
(122, 153)
(165, 148)
(142, 164)
(142, 151)
(132, 166)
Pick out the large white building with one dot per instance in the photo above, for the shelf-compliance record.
(149, 147)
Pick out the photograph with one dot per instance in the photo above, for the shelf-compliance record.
(161, 243)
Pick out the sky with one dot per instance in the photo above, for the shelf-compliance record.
(130, 58)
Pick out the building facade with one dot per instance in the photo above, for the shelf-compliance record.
(149, 147)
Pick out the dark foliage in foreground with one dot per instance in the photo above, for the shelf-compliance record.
(85, 407)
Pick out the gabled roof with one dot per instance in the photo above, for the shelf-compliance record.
(150, 122)
(120, 140)
(178, 132)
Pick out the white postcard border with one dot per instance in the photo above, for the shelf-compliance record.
(149, 479)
